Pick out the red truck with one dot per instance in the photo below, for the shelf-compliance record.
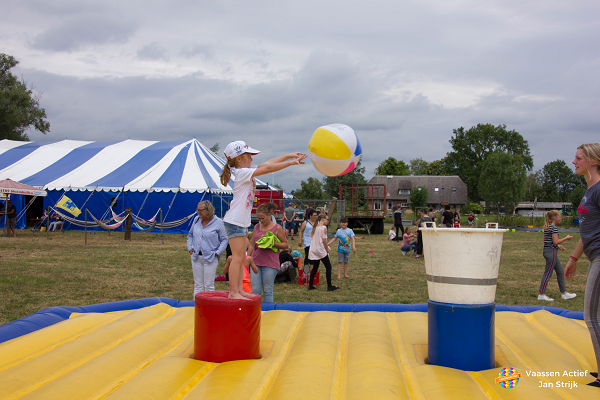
(263, 195)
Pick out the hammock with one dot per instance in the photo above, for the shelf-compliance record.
(140, 221)
(106, 226)
(172, 224)
(146, 228)
(83, 224)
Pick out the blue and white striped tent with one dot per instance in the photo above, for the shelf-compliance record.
(141, 175)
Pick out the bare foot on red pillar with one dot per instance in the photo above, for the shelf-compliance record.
(237, 296)
(246, 294)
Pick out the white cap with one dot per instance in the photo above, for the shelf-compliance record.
(237, 148)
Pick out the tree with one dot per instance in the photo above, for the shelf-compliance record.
(577, 194)
(331, 184)
(472, 147)
(533, 187)
(558, 181)
(19, 106)
(391, 166)
(502, 181)
(312, 189)
(419, 196)
(215, 148)
(438, 168)
(418, 166)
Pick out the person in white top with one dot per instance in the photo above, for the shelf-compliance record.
(237, 219)
(319, 251)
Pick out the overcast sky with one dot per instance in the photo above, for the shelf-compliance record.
(402, 73)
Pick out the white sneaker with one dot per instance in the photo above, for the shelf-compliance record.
(568, 296)
(544, 297)
(403, 253)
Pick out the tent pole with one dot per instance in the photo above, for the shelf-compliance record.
(85, 212)
(162, 239)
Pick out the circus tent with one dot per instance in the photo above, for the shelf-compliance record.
(142, 175)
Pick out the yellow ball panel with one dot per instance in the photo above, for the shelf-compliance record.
(327, 144)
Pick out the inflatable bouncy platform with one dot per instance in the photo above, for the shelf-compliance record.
(142, 349)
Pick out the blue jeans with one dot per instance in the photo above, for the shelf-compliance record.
(263, 282)
(412, 246)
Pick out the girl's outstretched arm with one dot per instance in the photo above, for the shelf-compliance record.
(269, 166)
(285, 157)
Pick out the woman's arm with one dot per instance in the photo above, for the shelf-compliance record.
(571, 266)
(281, 235)
(301, 233)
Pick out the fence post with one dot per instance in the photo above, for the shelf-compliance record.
(128, 224)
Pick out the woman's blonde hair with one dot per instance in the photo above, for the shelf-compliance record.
(319, 218)
(208, 207)
(591, 152)
(549, 216)
(263, 209)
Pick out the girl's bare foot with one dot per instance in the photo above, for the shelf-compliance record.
(237, 296)
(339, 278)
(346, 276)
(246, 294)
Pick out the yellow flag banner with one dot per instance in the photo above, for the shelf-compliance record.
(67, 204)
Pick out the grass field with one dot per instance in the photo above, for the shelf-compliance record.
(36, 272)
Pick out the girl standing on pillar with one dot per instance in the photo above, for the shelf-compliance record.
(237, 220)
(586, 164)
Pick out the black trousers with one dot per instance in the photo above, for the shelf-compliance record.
(315, 264)
(401, 227)
(420, 243)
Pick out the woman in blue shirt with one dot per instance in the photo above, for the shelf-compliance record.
(206, 241)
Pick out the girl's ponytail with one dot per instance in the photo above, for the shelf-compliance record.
(226, 172)
(548, 218)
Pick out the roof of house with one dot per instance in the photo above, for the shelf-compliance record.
(445, 185)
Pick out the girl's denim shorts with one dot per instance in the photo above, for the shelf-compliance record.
(234, 230)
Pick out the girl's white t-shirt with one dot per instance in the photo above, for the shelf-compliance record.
(243, 198)
(317, 249)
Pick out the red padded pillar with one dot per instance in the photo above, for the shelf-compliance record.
(226, 329)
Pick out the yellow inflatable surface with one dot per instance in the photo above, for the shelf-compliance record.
(146, 354)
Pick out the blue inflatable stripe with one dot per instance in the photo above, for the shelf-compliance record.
(52, 315)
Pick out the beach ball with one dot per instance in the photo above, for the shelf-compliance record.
(334, 149)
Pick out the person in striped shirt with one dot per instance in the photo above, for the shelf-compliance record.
(551, 246)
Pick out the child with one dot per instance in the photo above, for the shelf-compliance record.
(456, 222)
(239, 158)
(319, 251)
(345, 237)
(551, 246)
(248, 263)
(406, 244)
(471, 219)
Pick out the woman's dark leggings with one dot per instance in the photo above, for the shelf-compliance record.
(327, 265)
(420, 243)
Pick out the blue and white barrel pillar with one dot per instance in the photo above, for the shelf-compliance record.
(462, 272)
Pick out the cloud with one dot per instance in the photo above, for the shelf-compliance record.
(197, 49)
(83, 32)
(154, 52)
